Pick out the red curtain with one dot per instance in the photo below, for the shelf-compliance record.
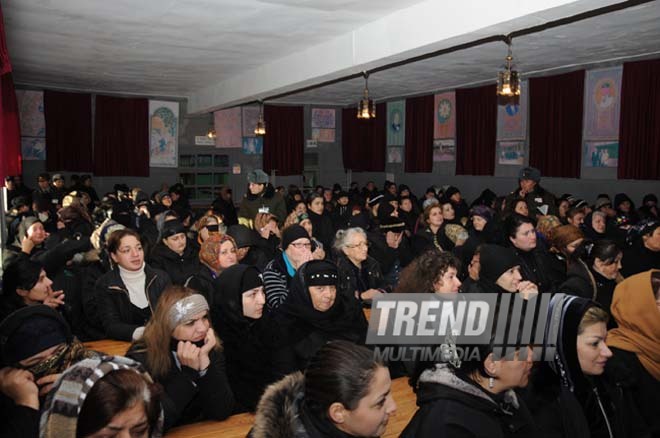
(555, 117)
(284, 140)
(121, 137)
(639, 128)
(476, 130)
(363, 141)
(68, 131)
(419, 134)
(10, 128)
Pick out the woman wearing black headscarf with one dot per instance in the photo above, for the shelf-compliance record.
(313, 314)
(500, 272)
(572, 395)
(242, 326)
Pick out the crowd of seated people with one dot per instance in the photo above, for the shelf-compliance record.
(259, 307)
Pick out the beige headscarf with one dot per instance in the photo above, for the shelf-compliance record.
(638, 317)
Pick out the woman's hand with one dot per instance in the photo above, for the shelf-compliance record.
(188, 354)
(27, 245)
(55, 299)
(370, 294)
(19, 386)
(318, 254)
(46, 383)
(209, 344)
(527, 289)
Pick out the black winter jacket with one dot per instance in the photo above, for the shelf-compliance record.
(118, 315)
(178, 267)
(190, 398)
(452, 407)
(352, 279)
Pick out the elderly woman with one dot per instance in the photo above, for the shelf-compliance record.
(359, 274)
(116, 397)
(635, 343)
(296, 250)
(343, 392)
(314, 313)
(128, 293)
(304, 221)
(182, 353)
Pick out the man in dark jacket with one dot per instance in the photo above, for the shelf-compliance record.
(260, 198)
(540, 202)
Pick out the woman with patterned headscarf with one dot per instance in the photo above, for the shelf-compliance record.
(36, 346)
(105, 395)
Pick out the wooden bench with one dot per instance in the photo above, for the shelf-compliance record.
(109, 346)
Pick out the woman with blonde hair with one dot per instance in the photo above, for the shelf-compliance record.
(182, 353)
(268, 233)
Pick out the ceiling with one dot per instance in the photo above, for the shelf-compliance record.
(220, 53)
(597, 42)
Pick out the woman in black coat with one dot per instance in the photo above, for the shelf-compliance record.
(433, 234)
(321, 221)
(128, 294)
(593, 272)
(573, 395)
(173, 254)
(313, 314)
(359, 274)
(471, 397)
(182, 353)
(243, 326)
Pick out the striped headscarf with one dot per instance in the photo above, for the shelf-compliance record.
(64, 402)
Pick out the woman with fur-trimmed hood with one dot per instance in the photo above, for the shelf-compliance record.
(343, 393)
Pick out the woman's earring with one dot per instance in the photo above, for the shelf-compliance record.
(491, 382)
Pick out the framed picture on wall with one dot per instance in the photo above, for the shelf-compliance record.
(511, 153)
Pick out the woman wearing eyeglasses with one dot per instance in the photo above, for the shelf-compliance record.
(359, 274)
(128, 293)
(296, 250)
